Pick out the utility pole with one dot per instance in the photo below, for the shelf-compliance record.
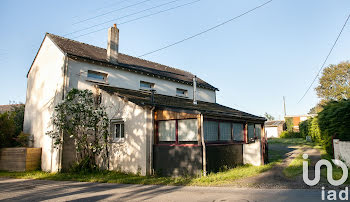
(284, 105)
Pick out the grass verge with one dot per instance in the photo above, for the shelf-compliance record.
(337, 171)
(295, 167)
(290, 141)
(221, 178)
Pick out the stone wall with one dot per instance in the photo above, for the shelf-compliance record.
(342, 151)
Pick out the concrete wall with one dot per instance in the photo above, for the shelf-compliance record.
(125, 79)
(44, 91)
(177, 160)
(132, 154)
(223, 156)
(252, 153)
(342, 151)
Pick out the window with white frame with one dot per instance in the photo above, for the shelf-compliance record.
(146, 85)
(118, 131)
(97, 76)
(181, 92)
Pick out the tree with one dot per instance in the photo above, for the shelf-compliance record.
(79, 117)
(269, 117)
(316, 109)
(334, 85)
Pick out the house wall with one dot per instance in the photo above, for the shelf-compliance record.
(252, 153)
(44, 91)
(177, 160)
(223, 156)
(342, 151)
(129, 80)
(132, 154)
(271, 132)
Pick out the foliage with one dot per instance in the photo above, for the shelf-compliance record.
(290, 134)
(11, 126)
(220, 178)
(334, 85)
(78, 117)
(304, 127)
(269, 117)
(289, 124)
(316, 109)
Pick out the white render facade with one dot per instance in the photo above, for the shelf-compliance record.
(53, 74)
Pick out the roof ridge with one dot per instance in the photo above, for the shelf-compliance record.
(119, 53)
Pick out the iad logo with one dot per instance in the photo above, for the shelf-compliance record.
(329, 172)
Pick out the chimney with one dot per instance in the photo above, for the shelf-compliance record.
(113, 44)
(194, 90)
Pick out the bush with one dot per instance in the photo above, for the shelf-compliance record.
(11, 126)
(304, 128)
(290, 134)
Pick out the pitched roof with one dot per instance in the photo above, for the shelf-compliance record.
(89, 52)
(273, 123)
(162, 101)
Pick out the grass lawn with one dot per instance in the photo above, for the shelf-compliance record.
(221, 178)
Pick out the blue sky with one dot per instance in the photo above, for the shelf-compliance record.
(256, 60)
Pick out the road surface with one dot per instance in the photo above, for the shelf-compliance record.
(46, 190)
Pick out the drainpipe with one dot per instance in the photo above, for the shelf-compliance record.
(194, 90)
(204, 158)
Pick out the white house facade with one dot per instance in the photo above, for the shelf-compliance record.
(180, 113)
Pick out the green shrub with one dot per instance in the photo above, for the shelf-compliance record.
(289, 134)
(304, 128)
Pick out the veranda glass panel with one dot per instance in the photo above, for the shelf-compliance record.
(225, 131)
(187, 130)
(258, 130)
(166, 131)
(210, 130)
(238, 134)
(250, 131)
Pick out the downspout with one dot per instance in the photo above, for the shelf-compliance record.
(204, 158)
(151, 140)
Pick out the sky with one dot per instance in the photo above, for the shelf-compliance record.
(254, 60)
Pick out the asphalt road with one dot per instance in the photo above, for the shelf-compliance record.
(46, 190)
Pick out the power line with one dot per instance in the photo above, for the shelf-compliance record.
(162, 11)
(138, 12)
(207, 30)
(103, 14)
(94, 10)
(319, 71)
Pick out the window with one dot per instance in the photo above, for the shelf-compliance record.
(225, 131)
(166, 131)
(187, 130)
(238, 134)
(258, 130)
(97, 76)
(181, 92)
(251, 132)
(118, 131)
(146, 85)
(211, 130)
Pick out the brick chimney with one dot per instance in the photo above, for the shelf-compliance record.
(113, 44)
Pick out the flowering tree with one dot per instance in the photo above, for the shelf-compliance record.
(84, 120)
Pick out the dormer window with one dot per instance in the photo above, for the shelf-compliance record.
(146, 85)
(181, 92)
(97, 76)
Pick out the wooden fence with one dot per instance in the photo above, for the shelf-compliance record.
(20, 159)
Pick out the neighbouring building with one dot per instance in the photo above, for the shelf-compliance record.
(162, 119)
(273, 129)
(296, 119)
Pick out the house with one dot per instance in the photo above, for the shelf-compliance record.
(273, 129)
(163, 119)
(296, 119)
